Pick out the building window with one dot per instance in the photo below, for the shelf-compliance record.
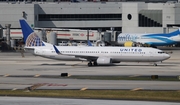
(150, 18)
(129, 16)
(79, 17)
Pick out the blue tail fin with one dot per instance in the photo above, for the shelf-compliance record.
(89, 43)
(174, 33)
(177, 32)
(30, 37)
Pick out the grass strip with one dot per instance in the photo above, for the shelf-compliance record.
(99, 94)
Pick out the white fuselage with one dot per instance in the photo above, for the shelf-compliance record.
(121, 54)
(153, 40)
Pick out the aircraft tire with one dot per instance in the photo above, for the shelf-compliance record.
(155, 64)
(95, 64)
(89, 64)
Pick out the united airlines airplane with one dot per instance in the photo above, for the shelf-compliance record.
(94, 55)
(151, 39)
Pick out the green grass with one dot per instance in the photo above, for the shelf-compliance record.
(99, 94)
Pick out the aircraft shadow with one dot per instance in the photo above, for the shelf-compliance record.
(58, 64)
(112, 65)
(150, 65)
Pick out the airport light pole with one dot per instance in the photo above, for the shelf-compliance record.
(8, 33)
(87, 35)
(99, 30)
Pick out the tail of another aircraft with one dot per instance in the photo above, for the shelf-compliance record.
(89, 43)
(174, 33)
(177, 32)
(30, 37)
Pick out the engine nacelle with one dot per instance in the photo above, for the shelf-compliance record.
(104, 60)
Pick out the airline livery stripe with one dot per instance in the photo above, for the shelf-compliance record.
(16, 32)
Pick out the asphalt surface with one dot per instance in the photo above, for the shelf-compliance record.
(17, 72)
(63, 101)
(22, 72)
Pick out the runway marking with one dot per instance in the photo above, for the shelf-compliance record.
(136, 89)
(54, 84)
(14, 89)
(37, 75)
(82, 89)
(33, 87)
(6, 75)
(50, 84)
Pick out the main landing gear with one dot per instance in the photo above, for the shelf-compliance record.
(92, 64)
(155, 64)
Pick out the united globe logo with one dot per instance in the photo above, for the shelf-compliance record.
(34, 40)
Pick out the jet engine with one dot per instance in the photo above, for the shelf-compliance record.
(104, 60)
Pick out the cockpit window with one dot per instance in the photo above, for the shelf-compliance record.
(161, 52)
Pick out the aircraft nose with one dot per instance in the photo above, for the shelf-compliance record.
(167, 56)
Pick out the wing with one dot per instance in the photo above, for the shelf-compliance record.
(82, 57)
(88, 58)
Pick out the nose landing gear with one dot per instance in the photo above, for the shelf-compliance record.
(92, 64)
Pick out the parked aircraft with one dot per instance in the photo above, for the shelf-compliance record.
(94, 55)
(156, 39)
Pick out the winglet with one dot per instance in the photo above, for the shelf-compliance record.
(89, 43)
(57, 51)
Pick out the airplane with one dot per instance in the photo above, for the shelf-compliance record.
(94, 55)
(154, 40)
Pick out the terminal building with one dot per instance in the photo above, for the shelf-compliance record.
(114, 16)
